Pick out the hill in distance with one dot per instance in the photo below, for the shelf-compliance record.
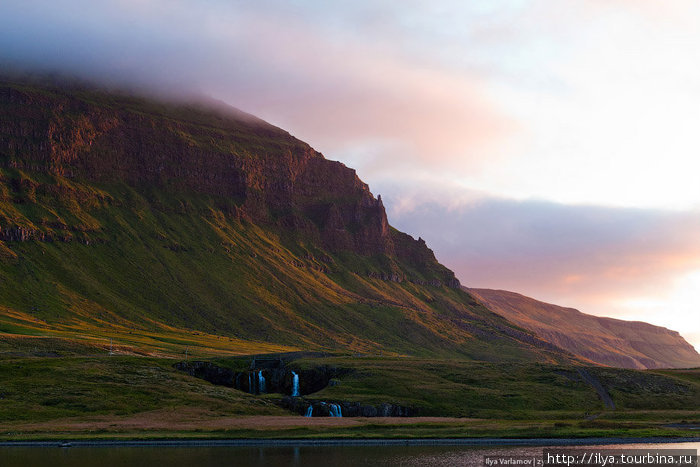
(607, 341)
(157, 227)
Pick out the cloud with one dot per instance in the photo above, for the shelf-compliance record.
(586, 256)
(572, 102)
(309, 69)
(451, 110)
(634, 264)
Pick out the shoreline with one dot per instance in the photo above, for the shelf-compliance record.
(68, 443)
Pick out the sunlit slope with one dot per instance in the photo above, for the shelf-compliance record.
(165, 227)
(608, 341)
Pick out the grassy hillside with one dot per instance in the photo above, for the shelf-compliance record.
(157, 279)
(165, 228)
(608, 341)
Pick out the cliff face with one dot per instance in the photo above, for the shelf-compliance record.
(273, 177)
(162, 224)
(608, 341)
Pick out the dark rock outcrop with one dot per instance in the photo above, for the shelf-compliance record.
(348, 408)
(278, 378)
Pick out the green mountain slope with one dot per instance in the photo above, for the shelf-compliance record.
(172, 227)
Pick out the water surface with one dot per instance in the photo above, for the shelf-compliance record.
(313, 456)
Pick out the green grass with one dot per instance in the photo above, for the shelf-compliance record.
(101, 396)
(40, 389)
(503, 390)
(145, 271)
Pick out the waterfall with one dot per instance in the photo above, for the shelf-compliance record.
(309, 411)
(295, 384)
(250, 385)
(261, 382)
(334, 410)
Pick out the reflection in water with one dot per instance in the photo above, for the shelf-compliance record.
(277, 456)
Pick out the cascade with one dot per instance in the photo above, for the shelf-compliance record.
(295, 384)
(334, 410)
(261, 382)
(309, 411)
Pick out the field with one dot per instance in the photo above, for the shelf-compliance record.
(120, 396)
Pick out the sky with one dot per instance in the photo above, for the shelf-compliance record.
(546, 147)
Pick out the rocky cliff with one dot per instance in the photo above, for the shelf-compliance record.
(162, 224)
(608, 341)
(273, 177)
(262, 172)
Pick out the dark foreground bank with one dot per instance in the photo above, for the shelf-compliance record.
(350, 442)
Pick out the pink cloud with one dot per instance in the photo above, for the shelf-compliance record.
(581, 256)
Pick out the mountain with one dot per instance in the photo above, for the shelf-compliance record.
(608, 341)
(166, 227)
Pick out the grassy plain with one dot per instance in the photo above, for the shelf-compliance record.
(136, 397)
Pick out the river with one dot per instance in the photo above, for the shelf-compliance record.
(287, 455)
